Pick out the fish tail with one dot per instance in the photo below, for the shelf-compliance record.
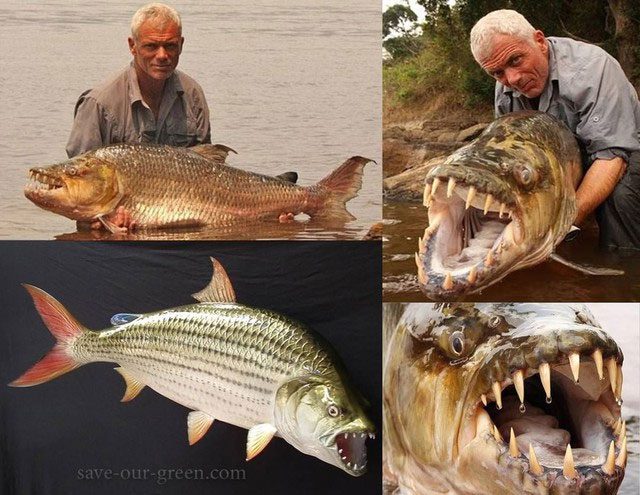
(65, 328)
(342, 185)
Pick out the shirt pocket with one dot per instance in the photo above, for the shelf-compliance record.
(181, 132)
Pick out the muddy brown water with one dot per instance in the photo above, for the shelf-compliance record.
(548, 281)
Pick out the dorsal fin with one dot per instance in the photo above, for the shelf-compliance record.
(215, 152)
(288, 177)
(219, 289)
(123, 318)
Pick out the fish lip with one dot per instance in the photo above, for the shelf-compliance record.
(484, 266)
(337, 443)
(592, 473)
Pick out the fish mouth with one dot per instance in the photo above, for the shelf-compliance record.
(41, 182)
(557, 420)
(476, 234)
(350, 448)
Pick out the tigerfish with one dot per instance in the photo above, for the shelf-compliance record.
(485, 399)
(163, 187)
(249, 367)
(498, 204)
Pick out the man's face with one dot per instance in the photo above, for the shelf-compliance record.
(518, 64)
(157, 48)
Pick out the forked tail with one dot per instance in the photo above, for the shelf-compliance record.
(341, 185)
(65, 328)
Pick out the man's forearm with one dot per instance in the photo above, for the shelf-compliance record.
(597, 184)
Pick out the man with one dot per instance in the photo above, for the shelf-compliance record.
(584, 87)
(149, 101)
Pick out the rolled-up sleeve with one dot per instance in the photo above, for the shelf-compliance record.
(606, 110)
(87, 130)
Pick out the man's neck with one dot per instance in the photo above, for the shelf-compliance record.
(151, 90)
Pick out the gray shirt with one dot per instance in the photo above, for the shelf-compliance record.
(589, 92)
(115, 112)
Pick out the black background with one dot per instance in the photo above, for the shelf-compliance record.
(76, 422)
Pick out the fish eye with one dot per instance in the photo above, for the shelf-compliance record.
(494, 321)
(457, 342)
(333, 411)
(525, 175)
(72, 171)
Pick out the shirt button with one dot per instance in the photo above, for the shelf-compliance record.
(596, 119)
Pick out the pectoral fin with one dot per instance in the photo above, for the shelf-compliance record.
(112, 227)
(587, 269)
(258, 438)
(219, 289)
(134, 386)
(198, 423)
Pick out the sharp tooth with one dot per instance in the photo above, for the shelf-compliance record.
(487, 203)
(422, 276)
(488, 261)
(483, 422)
(470, 195)
(355, 466)
(609, 466)
(502, 208)
(497, 391)
(622, 435)
(612, 368)
(473, 275)
(339, 451)
(483, 398)
(422, 247)
(451, 186)
(568, 467)
(621, 460)
(545, 378)
(574, 361)
(597, 358)
(426, 195)
(513, 446)
(448, 282)
(348, 464)
(534, 465)
(618, 392)
(518, 383)
(434, 186)
(496, 434)
(353, 435)
(617, 426)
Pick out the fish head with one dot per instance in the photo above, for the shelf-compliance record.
(499, 204)
(487, 398)
(81, 188)
(321, 417)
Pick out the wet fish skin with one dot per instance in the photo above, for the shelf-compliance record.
(250, 367)
(164, 187)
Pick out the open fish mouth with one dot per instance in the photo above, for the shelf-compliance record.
(558, 420)
(473, 227)
(351, 449)
(40, 180)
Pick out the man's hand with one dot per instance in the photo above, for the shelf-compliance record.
(597, 184)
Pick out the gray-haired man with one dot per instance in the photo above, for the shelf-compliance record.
(148, 101)
(584, 87)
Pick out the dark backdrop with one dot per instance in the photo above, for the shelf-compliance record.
(51, 431)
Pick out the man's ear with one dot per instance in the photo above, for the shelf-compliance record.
(132, 44)
(540, 40)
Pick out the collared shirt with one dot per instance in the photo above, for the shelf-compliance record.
(115, 112)
(589, 92)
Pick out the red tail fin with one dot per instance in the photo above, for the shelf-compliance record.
(64, 327)
(343, 184)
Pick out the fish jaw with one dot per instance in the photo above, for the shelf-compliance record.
(519, 373)
(499, 204)
(83, 188)
(322, 418)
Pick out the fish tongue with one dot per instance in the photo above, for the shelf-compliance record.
(552, 456)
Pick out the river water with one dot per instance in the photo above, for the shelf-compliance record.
(548, 281)
(291, 86)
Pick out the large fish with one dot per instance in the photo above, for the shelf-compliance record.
(501, 203)
(163, 186)
(511, 399)
(249, 367)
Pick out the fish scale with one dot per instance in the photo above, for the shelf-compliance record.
(251, 352)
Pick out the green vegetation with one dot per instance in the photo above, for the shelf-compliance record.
(432, 62)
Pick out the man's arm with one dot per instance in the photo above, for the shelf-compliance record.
(597, 184)
(86, 133)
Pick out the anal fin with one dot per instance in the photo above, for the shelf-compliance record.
(134, 386)
(198, 423)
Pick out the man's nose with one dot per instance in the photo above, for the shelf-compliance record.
(513, 76)
(162, 52)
